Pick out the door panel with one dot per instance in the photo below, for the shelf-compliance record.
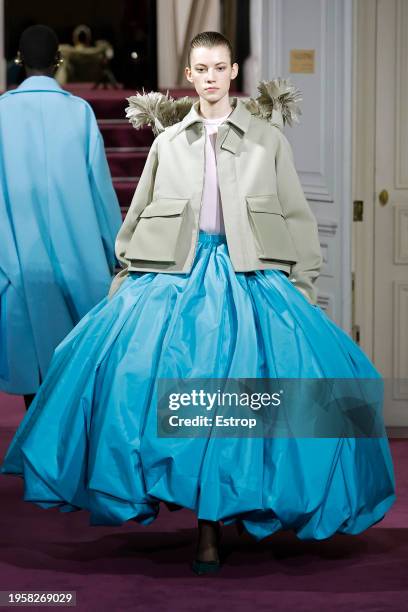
(390, 332)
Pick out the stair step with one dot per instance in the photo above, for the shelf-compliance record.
(109, 108)
(118, 134)
(111, 103)
(126, 163)
(144, 150)
(124, 191)
(106, 103)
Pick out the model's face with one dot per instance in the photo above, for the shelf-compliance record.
(211, 72)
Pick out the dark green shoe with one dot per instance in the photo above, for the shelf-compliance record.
(205, 567)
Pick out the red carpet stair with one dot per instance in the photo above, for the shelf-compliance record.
(126, 148)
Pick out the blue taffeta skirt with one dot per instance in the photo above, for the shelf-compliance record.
(89, 440)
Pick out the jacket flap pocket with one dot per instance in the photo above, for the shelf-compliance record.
(165, 207)
(264, 203)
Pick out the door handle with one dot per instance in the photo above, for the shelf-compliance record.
(383, 197)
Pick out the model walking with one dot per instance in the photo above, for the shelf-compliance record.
(220, 253)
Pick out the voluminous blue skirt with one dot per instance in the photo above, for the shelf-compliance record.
(90, 439)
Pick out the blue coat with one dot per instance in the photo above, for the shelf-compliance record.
(59, 216)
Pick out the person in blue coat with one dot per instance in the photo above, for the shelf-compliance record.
(59, 216)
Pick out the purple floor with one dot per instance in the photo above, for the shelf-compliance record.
(137, 568)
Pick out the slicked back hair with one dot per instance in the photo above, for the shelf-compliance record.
(209, 40)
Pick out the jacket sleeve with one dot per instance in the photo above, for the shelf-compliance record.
(105, 200)
(141, 198)
(300, 220)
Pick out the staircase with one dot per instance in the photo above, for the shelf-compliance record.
(126, 152)
(126, 148)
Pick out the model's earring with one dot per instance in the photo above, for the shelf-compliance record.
(18, 59)
(58, 59)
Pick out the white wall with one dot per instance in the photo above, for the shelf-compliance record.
(322, 141)
(252, 65)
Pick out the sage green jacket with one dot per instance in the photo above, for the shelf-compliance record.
(268, 222)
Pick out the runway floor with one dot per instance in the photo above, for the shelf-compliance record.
(137, 568)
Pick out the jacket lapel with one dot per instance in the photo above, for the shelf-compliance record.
(232, 140)
(238, 124)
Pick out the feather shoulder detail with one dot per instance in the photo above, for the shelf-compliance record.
(277, 98)
(156, 110)
(277, 95)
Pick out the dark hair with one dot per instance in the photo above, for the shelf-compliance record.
(210, 39)
(38, 46)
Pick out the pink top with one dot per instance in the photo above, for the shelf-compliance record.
(211, 219)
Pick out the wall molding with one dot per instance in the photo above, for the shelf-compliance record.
(319, 184)
(400, 233)
(401, 114)
(327, 232)
(327, 227)
(326, 26)
(399, 357)
(326, 303)
(363, 163)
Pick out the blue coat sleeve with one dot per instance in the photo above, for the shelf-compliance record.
(105, 199)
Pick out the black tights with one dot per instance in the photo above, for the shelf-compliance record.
(208, 536)
(208, 540)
